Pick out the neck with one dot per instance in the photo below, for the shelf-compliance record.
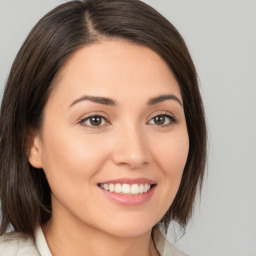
(76, 238)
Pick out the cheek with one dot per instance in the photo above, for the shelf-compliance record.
(71, 159)
(171, 156)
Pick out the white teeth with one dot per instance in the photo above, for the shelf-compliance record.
(135, 189)
(127, 189)
(111, 187)
(141, 188)
(118, 188)
(146, 188)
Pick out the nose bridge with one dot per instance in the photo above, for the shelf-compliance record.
(131, 146)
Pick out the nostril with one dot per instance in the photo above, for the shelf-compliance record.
(134, 162)
(130, 149)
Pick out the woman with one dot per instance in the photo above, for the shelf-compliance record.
(103, 137)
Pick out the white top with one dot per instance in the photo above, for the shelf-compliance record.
(17, 244)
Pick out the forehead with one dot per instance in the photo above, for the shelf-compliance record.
(113, 68)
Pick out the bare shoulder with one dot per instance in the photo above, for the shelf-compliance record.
(17, 244)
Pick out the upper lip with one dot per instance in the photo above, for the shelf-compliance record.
(129, 181)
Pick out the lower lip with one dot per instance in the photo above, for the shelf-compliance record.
(129, 200)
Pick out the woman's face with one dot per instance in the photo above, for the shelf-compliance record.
(114, 141)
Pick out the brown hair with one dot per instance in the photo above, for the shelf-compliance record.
(24, 191)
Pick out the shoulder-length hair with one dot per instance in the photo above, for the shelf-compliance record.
(24, 190)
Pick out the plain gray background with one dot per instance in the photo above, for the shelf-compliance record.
(221, 36)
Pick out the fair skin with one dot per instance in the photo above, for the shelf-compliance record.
(133, 137)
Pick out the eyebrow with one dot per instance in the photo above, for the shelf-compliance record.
(161, 98)
(111, 102)
(97, 99)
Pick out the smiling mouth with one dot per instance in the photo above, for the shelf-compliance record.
(126, 189)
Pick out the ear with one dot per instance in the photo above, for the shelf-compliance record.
(34, 149)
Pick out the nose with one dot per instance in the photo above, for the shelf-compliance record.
(131, 148)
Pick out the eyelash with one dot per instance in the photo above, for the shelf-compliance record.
(172, 120)
(89, 118)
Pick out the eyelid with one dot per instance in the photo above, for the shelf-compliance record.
(159, 113)
(167, 114)
(93, 114)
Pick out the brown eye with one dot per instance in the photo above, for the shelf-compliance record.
(162, 120)
(159, 120)
(94, 121)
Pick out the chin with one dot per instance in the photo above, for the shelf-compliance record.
(129, 228)
(125, 232)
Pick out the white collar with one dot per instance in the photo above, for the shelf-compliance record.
(41, 243)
